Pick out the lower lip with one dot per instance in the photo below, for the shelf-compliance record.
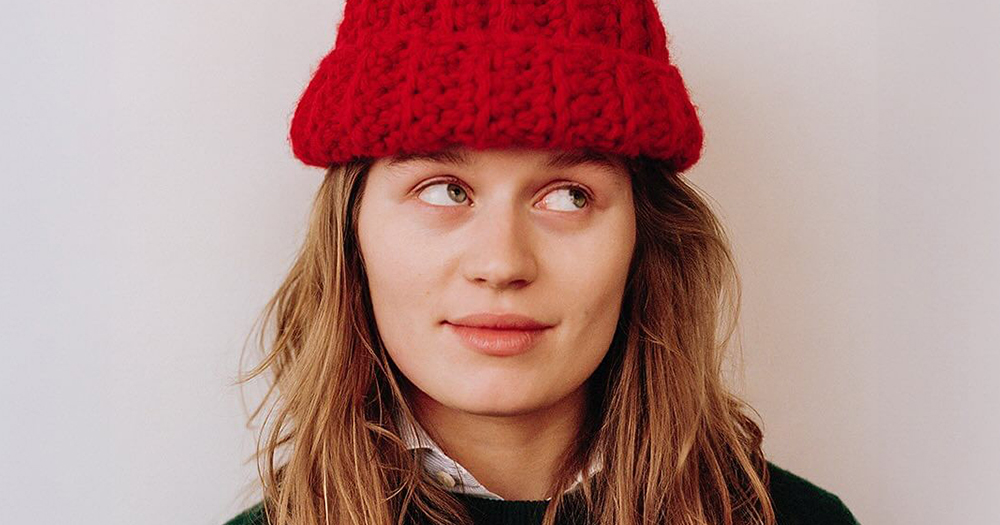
(500, 343)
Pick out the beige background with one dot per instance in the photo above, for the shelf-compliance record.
(150, 205)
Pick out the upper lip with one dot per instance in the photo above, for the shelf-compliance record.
(506, 321)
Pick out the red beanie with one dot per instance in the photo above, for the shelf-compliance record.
(416, 76)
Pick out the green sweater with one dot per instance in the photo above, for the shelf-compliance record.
(796, 502)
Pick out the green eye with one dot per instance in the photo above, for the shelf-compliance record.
(452, 193)
(578, 197)
(447, 193)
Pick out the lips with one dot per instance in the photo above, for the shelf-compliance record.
(498, 342)
(500, 321)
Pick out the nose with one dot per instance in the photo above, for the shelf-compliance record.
(499, 252)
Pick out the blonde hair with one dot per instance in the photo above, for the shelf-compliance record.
(677, 447)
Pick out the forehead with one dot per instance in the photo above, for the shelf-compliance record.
(548, 158)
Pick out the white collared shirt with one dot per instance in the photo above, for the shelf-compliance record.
(448, 472)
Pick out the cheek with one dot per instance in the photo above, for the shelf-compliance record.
(590, 273)
(591, 286)
(587, 288)
(401, 280)
(394, 262)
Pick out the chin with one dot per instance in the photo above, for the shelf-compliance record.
(496, 411)
(491, 404)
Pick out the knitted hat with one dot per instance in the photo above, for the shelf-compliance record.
(425, 75)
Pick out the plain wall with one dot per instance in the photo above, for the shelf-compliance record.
(151, 205)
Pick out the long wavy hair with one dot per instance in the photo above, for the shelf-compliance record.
(677, 447)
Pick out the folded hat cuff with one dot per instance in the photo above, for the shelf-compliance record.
(421, 91)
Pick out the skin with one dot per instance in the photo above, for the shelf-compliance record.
(499, 235)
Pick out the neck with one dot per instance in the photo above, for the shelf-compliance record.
(516, 456)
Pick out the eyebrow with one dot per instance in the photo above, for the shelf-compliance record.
(563, 159)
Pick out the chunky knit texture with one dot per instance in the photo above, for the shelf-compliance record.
(425, 75)
(797, 501)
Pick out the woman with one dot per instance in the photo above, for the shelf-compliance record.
(509, 307)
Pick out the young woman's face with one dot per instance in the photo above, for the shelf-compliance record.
(501, 233)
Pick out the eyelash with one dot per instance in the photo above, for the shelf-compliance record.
(453, 180)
